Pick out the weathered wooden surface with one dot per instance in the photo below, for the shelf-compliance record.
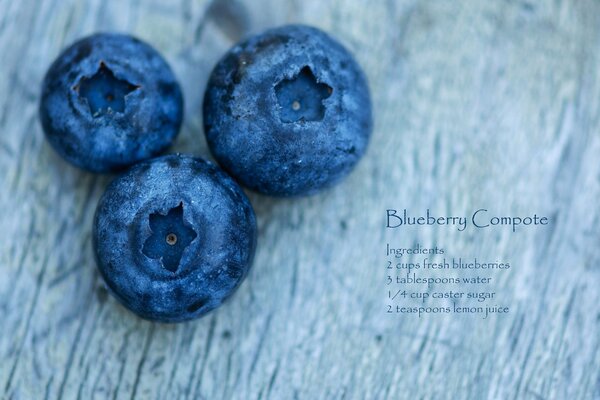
(490, 104)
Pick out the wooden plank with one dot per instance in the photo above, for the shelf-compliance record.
(477, 105)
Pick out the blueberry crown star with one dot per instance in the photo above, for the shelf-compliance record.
(301, 97)
(104, 92)
(170, 237)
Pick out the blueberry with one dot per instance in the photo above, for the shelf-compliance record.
(288, 112)
(174, 237)
(108, 101)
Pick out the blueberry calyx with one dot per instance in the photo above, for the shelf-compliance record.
(171, 235)
(104, 92)
(301, 98)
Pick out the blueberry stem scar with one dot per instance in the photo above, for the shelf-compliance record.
(104, 92)
(170, 237)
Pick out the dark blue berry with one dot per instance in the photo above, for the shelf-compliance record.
(174, 237)
(288, 112)
(109, 101)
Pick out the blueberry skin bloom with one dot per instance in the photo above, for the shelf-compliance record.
(174, 237)
(288, 112)
(109, 101)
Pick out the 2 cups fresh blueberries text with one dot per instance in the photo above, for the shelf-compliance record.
(286, 113)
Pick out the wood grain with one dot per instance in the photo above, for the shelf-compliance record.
(492, 104)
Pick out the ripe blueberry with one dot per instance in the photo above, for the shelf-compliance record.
(174, 237)
(108, 101)
(288, 112)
